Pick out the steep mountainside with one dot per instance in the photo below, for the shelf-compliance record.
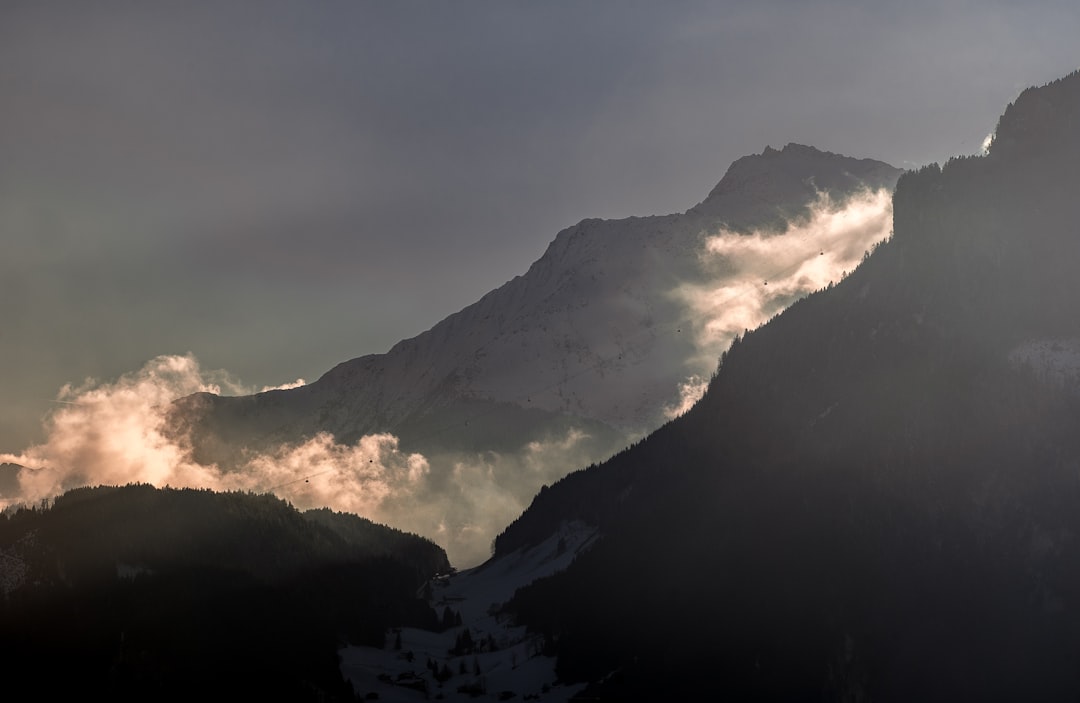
(590, 337)
(877, 497)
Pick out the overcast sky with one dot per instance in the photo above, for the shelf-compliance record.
(281, 186)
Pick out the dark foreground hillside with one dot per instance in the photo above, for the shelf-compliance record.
(151, 594)
(879, 496)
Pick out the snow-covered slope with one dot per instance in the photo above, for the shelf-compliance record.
(504, 658)
(593, 335)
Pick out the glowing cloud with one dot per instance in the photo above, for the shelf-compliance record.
(690, 392)
(769, 271)
(285, 386)
(112, 433)
(115, 433)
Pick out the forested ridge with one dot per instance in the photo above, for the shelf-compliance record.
(875, 500)
(140, 592)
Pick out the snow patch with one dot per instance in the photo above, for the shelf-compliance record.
(507, 658)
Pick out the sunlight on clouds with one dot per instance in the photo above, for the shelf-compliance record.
(320, 472)
(115, 433)
(285, 386)
(690, 392)
(770, 271)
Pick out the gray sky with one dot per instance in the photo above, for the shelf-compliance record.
(280, 186)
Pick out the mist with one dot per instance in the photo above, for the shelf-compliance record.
(759, 274)
(205, 176)
(114, 432)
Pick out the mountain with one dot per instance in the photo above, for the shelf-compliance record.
(596, 344)
(140, 592)
(582, 338)
(877, 496)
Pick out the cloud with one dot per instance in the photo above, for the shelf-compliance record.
(112, 432)
(115, 433)
(360, 478)
(285, 386)
(765, 272)
(481, 494)
(690, 392)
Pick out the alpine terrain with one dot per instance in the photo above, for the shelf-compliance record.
(137, 593)
(877, 497)
(614, 330)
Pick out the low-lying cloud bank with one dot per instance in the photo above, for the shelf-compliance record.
(115, 432)
(764, 272)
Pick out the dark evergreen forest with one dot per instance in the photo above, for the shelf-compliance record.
(162, 594)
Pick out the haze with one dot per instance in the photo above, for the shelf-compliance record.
(277, 187)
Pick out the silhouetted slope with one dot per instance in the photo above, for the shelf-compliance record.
(151, 593)
(877, 498)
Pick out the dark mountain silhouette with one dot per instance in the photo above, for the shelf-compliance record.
(138, 592)
(573, 342)
(878, 497)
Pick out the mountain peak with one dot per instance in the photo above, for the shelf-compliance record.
(795, 173)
